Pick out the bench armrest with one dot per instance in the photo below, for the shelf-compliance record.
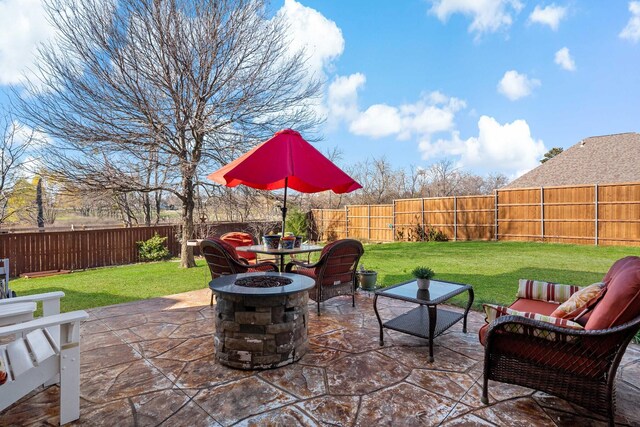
(33, 298)
(44, 322)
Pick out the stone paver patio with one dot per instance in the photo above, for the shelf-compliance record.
(151, 363)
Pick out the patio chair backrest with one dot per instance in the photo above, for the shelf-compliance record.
(338, 262)
(221, 257)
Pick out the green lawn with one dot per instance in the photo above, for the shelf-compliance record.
(115, 285)
(493, 268)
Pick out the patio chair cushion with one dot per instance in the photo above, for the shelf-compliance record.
(3, 372)
(616, 267)
(534, 306)
(621, 300)
(580, 302)
(239, 238)
(309, 272)
(494, 311)
(545, 291)
(527, 306)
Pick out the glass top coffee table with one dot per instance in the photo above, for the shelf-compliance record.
(426, 320)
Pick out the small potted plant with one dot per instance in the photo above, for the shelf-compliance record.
(288, 241)
(423, 276)
(271, 241)
(367, 278)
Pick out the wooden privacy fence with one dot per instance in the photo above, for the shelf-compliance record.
(76, 250)
(588, 214)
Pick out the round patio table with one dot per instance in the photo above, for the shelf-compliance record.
(260, 249)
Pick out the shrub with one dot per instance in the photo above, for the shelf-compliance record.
(297, 222)
(437, 235)
(153, 249)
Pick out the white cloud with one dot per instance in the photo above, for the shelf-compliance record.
(550, 15)
(488, 15)
(632, 30)
(509, 148)
(563, 59)
(515, 85)
(433, 113)
(23, 25)
(342, 97)
(310, 30)
(377, 121)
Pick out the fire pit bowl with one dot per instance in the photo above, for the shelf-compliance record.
(261, 319)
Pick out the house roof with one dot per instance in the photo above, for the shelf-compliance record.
(604, 159)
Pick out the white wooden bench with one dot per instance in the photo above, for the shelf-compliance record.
(36, 359)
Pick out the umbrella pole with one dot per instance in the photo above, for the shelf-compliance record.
(284, 206)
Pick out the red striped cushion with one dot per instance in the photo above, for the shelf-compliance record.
(494, 311)
(545, 291)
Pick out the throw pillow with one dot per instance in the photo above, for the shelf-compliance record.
(494, 311)
(545, 291)
(580, 302)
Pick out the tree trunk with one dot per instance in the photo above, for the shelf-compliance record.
(146, 208)
(158, 201)
(188, 205)
(39, 203)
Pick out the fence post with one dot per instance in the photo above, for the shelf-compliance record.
(369, 222)
(542, 213)
(423, 223)
(596, 213)
(346, 221)
(495, 215)
(393, 221)
(455, 218)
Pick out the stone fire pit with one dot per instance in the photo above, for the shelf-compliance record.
(261, 319)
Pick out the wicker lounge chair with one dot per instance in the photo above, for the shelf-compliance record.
(335, 271)
(578, 365)
(223, 259)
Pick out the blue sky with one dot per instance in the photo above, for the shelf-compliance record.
(462, 49)
(489, 84)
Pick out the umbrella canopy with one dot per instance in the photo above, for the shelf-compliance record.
(285, 161)
(286, 156)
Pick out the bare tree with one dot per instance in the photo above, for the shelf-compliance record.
(378, 179)
(195, 81)
(15, 143)
(494, 181)
(444, 178)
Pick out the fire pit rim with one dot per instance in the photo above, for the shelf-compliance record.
(226, 284)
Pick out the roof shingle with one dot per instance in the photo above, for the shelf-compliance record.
(604, 159)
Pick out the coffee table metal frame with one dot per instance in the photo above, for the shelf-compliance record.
(426, 320)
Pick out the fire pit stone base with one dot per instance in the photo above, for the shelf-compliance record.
(261, 332)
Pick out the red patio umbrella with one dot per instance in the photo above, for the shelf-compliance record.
(285, 161)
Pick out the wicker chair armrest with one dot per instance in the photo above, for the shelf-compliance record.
(293, 263)
(501, 323)
(243, 260)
